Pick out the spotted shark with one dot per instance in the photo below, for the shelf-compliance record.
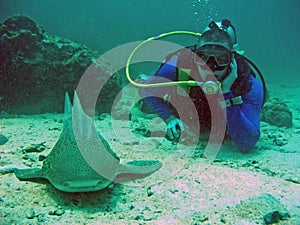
(82, 160)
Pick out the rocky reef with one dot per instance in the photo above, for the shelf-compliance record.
(276, 113)
(36, 69)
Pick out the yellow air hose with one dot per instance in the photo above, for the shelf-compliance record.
(172, 83)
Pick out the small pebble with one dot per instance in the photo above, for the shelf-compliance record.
(272, 217)
(31, 214)
(280, 142)
(137, 217)
(31, 158)
(121, 217)
(42, 218)
(199, 217)
(3, 139)
(147, 218)
(57, 212)
(173, 191)
(35, 148)
(149, 192)
(222, 220)
(275, 217)
(42, 157)
(130, 143)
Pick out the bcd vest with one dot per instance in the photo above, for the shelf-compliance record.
(188, 70)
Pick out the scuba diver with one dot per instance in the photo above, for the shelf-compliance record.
(243, 94)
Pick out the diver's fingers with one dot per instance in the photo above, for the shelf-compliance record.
(174, 131)
(170, 134)
(181, 125)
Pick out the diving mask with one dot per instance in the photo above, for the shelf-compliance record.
(220, 54)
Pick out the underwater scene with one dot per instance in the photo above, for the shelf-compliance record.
(149, 112)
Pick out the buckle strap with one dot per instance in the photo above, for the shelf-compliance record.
(232, 101)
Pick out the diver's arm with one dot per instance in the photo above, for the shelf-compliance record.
(243, 121)
(154, 96)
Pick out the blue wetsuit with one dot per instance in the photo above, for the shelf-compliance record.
(243, 121)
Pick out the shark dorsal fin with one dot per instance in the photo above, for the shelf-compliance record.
(68, 113)
(94, 149)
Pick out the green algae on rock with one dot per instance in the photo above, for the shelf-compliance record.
(37, 68)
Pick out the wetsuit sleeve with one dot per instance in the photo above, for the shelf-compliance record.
(243, 121)
(154, 97)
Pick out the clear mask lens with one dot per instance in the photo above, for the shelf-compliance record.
(222, 57)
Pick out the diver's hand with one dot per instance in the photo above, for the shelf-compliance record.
(229, 80)
(174, 127)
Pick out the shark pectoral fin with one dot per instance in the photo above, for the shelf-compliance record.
(26, 174)
(136, 170)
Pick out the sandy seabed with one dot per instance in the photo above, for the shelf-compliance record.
(186, 190)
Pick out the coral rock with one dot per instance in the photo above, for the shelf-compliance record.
(277, 113)
(36, 69)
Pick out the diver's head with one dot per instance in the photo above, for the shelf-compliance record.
(215, 47)
(222, 33)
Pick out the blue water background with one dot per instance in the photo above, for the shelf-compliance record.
(268, 30)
